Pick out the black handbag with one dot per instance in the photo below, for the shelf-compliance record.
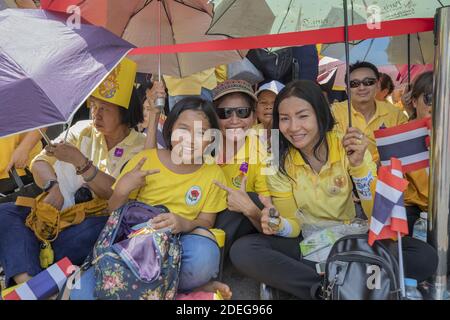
(357, 271)
(19, 188)
(279, 65)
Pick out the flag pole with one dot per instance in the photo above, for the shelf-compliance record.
(400, 265)
(347, 62)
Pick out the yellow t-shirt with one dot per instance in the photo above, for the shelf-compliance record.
(93, 145)
(252, 156)
(417, 192)
(386, 116)
(187, 195)
(7, 147)
(328, 194)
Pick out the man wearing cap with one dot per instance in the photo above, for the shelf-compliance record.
(241, 158)
(91, 157)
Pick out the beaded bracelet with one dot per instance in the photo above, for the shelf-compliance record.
(92, 177)
(84, 168)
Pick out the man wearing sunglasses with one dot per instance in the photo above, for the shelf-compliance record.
(368, 114)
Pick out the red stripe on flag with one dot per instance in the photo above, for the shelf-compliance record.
(400, 225)
(326, 35)
(416, 166)
(396, 164)
(12, 296)
(412, 125)
(385, 175)
(66, 266)
(386, 233)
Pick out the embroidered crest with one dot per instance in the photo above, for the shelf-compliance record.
(109, 87)
(193, 195)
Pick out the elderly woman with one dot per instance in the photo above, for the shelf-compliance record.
(92, 156)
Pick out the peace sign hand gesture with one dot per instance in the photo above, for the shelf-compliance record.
(134, 179)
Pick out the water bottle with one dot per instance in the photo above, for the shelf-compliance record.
(420, 227)
(412, 293)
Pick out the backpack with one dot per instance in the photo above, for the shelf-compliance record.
(357, 271)
(145, 267)
(280, 65)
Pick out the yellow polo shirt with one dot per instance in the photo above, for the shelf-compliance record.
(186, 195)
(328, 194)
(7, 147)
(92, 144)
(417, 192)
(386, 115)
(253, 155)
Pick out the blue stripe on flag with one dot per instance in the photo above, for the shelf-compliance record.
(43, 285)
(382, 208)
(402, 149)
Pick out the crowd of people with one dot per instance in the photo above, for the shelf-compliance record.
(224, 157)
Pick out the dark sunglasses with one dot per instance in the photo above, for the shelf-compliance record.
(241, 112)
(428, 99)
(367, 82)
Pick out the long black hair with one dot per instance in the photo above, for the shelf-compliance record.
(312, 93)
(190, 103)
(134, 114)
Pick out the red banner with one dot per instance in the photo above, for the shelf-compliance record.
(328, 35)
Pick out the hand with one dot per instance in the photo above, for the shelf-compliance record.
(19, 159)
(133, 179)
(170, 220)
(355, 144)
(54, 197)
(238, 200)
(265, 216)
(66, 152)
(157, 91)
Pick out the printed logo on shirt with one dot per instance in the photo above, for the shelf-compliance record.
(193, 195)
(363, 186)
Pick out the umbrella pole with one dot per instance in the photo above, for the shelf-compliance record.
(159, 102)
(409, 61)
(347, 62)
(46, 138)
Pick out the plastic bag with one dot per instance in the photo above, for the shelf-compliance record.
(319, 235)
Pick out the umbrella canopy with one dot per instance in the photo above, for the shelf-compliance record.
(137, 22)
(243, 18)
(387, 50)
(47, 69)
(24, 4)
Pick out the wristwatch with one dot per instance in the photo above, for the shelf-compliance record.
(49, 184)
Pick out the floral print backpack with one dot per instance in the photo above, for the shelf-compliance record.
(144, 267)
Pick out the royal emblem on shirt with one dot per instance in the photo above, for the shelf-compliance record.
(237, 181)
(109, 87)
(193, 195)
(339, 182)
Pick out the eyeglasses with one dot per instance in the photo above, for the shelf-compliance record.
(428, 99)
(241, 112)
(367, 82)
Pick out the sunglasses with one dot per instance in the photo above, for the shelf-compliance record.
(366, 82)
(241, 112)
(428, 99)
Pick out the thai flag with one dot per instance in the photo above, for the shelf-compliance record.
(389, 214)
(407, 142)
(45, 284)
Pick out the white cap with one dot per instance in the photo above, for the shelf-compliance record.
(273, 86)
(424, 215)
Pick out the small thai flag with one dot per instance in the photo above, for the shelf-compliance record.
(407, 142)
(389, 214)
(45, 284)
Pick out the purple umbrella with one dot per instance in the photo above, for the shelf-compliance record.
(48, 68)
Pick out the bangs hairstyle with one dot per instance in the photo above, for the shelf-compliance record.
(190, 103)
(135, 113)
(312, 93)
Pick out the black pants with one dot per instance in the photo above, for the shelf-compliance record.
(235, 224)
(277, 262)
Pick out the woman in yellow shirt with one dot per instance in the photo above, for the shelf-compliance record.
(179, 179)
(316, 170)
(416, 195)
